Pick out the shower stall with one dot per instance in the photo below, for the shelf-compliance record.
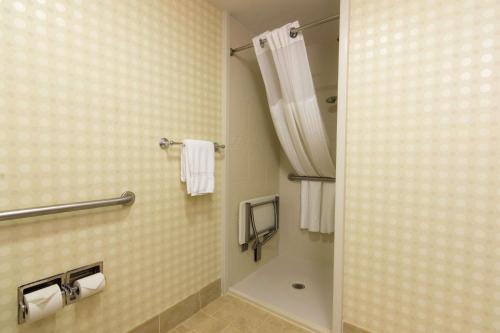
(294, 276)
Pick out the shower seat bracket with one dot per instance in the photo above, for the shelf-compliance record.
(259, 237)
(257, 252)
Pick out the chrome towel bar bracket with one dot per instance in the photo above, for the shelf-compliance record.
(166, 143)
(126, 199)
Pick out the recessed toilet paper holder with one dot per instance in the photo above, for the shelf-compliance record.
(22, 311)
(65, 281)
(69, 287)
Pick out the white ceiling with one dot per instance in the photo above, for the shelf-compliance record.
(261, 15)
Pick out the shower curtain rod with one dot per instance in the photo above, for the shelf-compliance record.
(293, 33)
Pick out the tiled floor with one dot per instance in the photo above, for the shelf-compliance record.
(228, 314)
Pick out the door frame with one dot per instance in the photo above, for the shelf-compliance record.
(338, 264)
(225, 164)
(338, 261)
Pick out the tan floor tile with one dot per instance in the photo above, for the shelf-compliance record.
(242, 316)
(274, 324)
(255, 312)
(228, 313)
(181, 329)
(247, 324)
(349, 328)
(203, 323)
(290, 328)
(214, 306)
(151, 326)
(231, 329)
(268, 329)
(234, 301)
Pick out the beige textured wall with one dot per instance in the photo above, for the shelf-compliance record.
(294, 241)
(87, 88)
(253, 154)
(423, 156)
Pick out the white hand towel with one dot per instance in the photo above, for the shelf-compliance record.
(317, 206)
(328, 208)
(304, 204)
(198, 166)
(310, 214)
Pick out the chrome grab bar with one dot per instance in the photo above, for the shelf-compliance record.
(312, 178)
(126, 199)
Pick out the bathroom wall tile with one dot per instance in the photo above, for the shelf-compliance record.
(422, 160)
(151, 326)
(210, 293)
(175, 315)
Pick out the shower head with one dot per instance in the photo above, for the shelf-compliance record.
(331, 100)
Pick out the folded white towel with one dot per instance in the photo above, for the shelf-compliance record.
(198, 166)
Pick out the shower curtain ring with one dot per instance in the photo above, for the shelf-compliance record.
(293, 32)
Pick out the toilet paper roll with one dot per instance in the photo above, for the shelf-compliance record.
(91, 285)
(43, 302)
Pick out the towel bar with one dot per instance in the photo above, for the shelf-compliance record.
(126, 199)
(311, 178)
(166, 143)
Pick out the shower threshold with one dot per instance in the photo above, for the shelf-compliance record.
(296, 289)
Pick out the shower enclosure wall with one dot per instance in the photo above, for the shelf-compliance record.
(252, 157)
(256, 166)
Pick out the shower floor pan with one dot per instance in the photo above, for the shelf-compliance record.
(296, 289)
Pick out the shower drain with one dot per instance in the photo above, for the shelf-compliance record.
(298, 285)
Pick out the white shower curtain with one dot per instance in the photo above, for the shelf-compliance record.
(296, 116)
